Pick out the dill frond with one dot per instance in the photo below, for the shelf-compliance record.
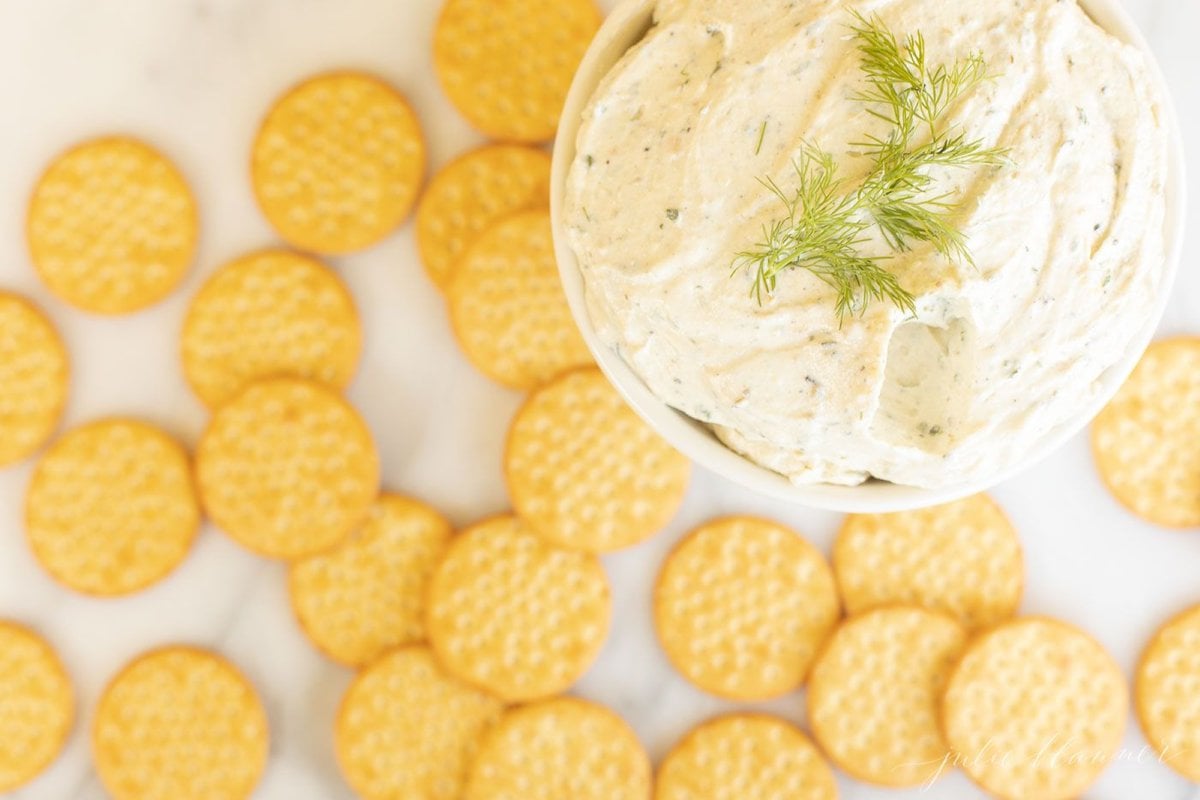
(824, 225)
(820, 232)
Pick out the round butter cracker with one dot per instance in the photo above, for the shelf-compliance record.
(874, 690)
(338, 163)
(406, 729)
(585, 471)
(1034, 710)
(34, 377)
(560, 748)
(265, 315)
(287, 468)
(180, 723)
(1166, 693)
(514, 615)
(507, 305)
(37, 705)
(745, 757)
(742, 605)
(962, 558)
(1146, 440)
(112, 226)
(367, 596)
(111, 507)
(470, 194)
(507, 64)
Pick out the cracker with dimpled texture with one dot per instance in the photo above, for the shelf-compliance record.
(963, 558)
(560, 748)
(742, 605)
(514, 615)
(1166, 693)
(34, 378)
(745, 757)
(1146, 440)
(585, 471)
(508, 308)
(180, 723)
(287, 468)
(874, 690)
(367, 596)
(507, 64)
(470, 194)
(112, 226)
(338, 163)
(406, 729)
(37, 705)
(1035, 709)
(269, 314)
(111, 507)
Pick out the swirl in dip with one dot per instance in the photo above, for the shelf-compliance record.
(1067, 238)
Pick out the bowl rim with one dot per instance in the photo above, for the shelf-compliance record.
(627, 25)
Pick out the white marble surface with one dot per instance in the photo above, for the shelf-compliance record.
(194, 76)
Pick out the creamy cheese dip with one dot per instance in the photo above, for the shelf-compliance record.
(1068, 239)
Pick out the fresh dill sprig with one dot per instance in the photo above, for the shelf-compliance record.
(900, 79)
(820, 233)
(904, 90)
(824, 225)
(897, 195)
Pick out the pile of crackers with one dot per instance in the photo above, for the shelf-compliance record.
(465, 643)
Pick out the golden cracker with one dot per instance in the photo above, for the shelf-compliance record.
(180, 723)
(514, 615)
(1035, 708)
(111, 507)
(112, 226)
(874, 690)
(585, 471)
(367, 596)
(269, 314)
(470, 194)
(962, 558)
(742, 605)
(507, 305)
(406, 729)
(338, 163)
(37, 705)
(1145, 440)
(507, 64)
(34, 377)
(287, 468)
(1166, 693)
(745, 757)
(560, 748)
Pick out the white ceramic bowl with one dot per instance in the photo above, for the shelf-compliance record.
(624, 28)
